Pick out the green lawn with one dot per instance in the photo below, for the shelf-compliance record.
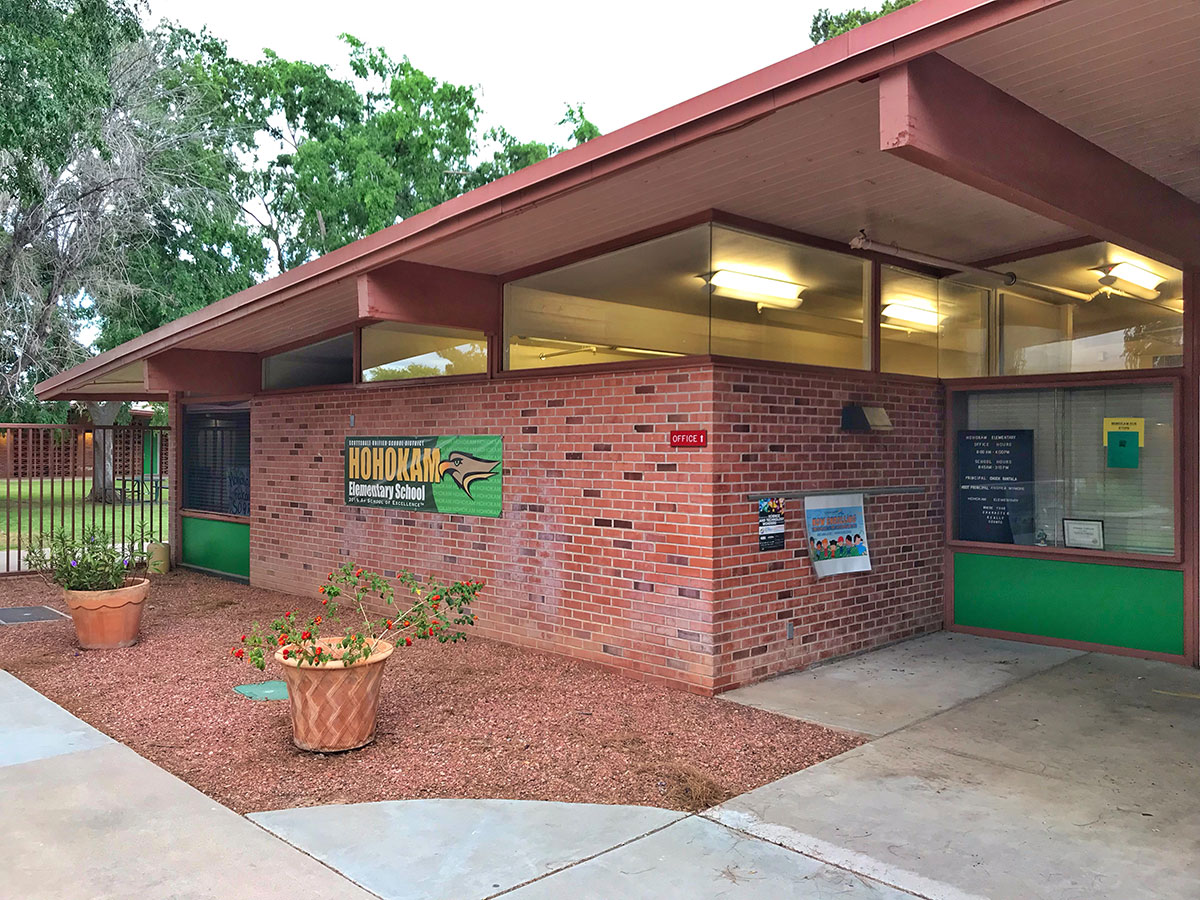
(29, 508)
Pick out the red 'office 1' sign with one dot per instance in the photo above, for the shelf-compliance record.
(689, 438)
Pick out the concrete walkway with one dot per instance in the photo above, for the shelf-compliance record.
(85, 817)
(884, 690)
(476, 849)
(1045, 775)
(1078, 782)
(88, 818)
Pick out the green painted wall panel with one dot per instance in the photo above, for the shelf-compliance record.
(1122, 606)
(219, 546)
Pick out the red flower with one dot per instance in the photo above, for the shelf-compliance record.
(243, 637)
(321, 589)
(436, 597)
(408, 642)
(239, 653)
(358, 574)
(317, 620)
(286, 653)
(431, 632)
(389, 624)
(324, 602)
(305, 635)
(282, 639)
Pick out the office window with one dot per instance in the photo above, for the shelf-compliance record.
(325, 362)
(393, 352)
(932, 327)
(1027, 459)
(776, 300)
(1090, 309)
(642, 302)
(705, 290)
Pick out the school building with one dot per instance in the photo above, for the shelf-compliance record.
(947, 261)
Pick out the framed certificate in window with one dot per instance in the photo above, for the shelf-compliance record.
(1083, 534)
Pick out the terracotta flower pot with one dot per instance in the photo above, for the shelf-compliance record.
(333, 705)
(105, 620)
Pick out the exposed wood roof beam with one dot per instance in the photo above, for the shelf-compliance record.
(430, 295)
(209, 371)
(940, 116)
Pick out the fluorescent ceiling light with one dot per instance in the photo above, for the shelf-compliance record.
(904, 313)
(757, 289)
(1126, 271)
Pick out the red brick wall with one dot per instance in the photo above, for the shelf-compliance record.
(604, 548)
(779, 431)
(612, 546)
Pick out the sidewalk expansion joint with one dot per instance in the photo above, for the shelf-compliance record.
(571, 865)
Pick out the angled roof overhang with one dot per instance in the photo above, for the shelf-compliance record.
(795, 145)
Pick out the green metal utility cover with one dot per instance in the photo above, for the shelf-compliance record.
(265, 690)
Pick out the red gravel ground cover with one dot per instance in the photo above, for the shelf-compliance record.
(474, 719)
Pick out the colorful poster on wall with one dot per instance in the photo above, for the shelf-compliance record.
(837, 534)
(452, 474)
(771, 533)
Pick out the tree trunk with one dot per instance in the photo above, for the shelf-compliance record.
(104, 488)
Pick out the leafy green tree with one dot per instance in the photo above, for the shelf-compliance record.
(826, 24)
(145, 175)
(55, 57)
(188, 261)
(345, 158)
(95, 131)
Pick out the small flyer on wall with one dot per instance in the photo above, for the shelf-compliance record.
(837, 534)
(771, 533)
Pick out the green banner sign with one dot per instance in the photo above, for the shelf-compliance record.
(453, 474)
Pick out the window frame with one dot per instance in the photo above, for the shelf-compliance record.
(201, 406)
(359, 381)
(955, 387)
(720, 218)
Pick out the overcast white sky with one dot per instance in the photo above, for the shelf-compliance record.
(623, 59)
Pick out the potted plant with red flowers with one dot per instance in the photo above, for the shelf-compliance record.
(333, 679)
(99, 581)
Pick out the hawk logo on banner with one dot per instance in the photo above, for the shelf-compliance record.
(837, 534)
(454, 474)
(466, 469)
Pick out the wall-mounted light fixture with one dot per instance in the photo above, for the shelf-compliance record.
(856, 417)
(770, 292)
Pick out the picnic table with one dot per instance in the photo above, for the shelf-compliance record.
(137, 487)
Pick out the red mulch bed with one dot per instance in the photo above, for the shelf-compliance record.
(474, 719)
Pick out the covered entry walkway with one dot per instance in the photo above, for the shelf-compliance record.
(1066, 775)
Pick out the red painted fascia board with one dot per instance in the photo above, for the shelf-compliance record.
(860, 53)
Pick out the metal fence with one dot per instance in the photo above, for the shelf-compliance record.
(71, 478)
